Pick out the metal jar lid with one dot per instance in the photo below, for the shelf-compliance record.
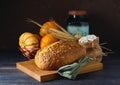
(77, 12)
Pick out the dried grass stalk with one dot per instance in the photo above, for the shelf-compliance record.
(32, 21)
(61, 35)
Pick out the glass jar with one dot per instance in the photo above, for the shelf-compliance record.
(77, 23)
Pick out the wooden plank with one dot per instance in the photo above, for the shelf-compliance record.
(32, 70)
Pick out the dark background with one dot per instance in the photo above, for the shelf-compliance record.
(104, 18)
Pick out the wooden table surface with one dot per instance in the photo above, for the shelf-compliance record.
(9, 75)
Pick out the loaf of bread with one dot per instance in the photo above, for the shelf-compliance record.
(59, 54)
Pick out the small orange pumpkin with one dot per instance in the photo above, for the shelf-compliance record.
(47, 40)
(28, 40)
(46, 26)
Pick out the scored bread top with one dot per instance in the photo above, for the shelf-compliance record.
(59, 54)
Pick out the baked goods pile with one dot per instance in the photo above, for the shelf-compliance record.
(66, 49)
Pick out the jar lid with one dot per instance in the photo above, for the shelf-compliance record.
(77, 12)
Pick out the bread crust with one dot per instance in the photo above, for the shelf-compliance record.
(59, 54)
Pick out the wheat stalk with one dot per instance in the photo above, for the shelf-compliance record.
(62, 29)
(61, 35)
(32, 21)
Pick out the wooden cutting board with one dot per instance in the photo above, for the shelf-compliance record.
(32, 70)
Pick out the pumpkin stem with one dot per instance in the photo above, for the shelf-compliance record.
(34, 22)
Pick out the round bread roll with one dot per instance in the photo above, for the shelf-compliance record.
(59, 54)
